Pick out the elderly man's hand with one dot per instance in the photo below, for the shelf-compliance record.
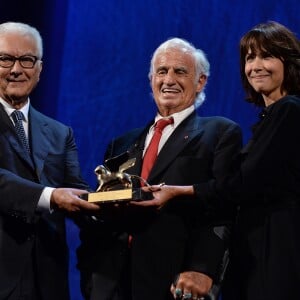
(68, 199)
(191, 285)
(164, 193)
(161, 195)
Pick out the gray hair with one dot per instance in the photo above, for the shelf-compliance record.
(201, 63)
(24, 29)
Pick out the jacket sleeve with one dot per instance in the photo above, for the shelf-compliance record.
(15, 192)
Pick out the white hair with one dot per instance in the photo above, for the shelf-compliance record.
(24, 29)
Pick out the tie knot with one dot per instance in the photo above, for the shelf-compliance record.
(17, 116)
(162, 123)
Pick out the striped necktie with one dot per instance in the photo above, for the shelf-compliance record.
(18, 117)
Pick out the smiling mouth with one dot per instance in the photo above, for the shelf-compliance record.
(15, 81)
(259, 76)
(168, 90)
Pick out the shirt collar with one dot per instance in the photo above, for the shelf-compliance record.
(179, 116)
(9, 109)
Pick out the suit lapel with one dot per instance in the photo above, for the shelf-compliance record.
(180, 138)
(136, 151)
(39, 139)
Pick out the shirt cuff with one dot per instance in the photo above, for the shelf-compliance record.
(44, 201)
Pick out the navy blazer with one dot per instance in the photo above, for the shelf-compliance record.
(185, 234)
(23, 230)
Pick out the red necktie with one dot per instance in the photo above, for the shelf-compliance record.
(151, 152)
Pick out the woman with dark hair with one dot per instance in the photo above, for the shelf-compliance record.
(266, 257)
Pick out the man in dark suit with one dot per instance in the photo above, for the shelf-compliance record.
(34, 168)
(185, 237)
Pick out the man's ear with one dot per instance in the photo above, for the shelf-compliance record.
(201, 82)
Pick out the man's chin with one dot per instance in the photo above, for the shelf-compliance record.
(169, 100)
(15, 99)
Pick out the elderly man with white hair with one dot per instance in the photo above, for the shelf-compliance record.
(154, 246)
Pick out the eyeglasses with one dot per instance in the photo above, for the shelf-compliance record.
(26, 61)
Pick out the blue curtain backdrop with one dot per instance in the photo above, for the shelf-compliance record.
(97, 57)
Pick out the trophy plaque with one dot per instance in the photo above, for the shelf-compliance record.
(114, 185)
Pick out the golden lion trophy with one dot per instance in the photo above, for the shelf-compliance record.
(114, 185)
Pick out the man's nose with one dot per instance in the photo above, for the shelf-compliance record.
(169, 78)
(16, 68)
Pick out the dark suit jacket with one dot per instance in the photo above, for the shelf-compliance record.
(24, 231)
(185, 234)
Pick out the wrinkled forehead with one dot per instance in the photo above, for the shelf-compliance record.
(174, 56)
